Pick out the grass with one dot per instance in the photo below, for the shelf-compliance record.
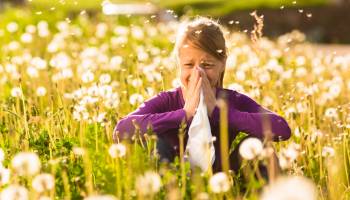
(70, 126)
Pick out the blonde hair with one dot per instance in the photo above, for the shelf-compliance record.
(204, 33)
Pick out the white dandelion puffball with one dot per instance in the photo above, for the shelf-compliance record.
(292, 187)
(16, 92)
(14, 192)
(41, 91)
(117, 150)
(26, 163)
(149, 183)
(251, 148)
(5, 176)
(43, 182)
(219, 183)
(100, 197)
(2, 155)
(328, 151)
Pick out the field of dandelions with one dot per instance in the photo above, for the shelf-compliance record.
(65, 82)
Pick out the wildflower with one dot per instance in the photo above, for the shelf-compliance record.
(2, 155)
(327, 151)
(26, 38)
(12, 27)
(284, 188)
(105, 78)
(149, 183)
(87, 77)
(14, 192)
(43, 182)
(16, 92)
(41, 91)
(135, 98)
(251, 148)
(331, 113)
(219, 183)
(100, 197)
(26, 163)
(117, 150)
(78, 151)
(4, 176)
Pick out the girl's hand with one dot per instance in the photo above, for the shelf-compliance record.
(192, 93)
(208, 92)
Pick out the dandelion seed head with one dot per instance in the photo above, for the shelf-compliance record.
(26, 163)
(251, 148)
(219, 183)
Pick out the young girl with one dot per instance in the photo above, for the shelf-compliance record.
(201, 54)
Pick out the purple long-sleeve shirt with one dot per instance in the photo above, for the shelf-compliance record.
(165, 113)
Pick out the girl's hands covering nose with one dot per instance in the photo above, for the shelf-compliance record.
(193, 93)
(208, 92)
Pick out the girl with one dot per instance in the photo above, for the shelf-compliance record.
(201, 54)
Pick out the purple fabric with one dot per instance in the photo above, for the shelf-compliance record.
(165, 112)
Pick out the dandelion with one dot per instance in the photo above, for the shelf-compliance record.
(2, 155)
(26, 38)
(219, 183)
(135, 98)
(78, 151)
(105, 78)
(12, 27)
(26, 163)
(14, 192)
(41, 91)
(16, 92)
(101, 197)
(331, 113)
(327, 151)
(4, 176)
(117, 150)
(87, 77)
(43, 182)
(284, 188)
(251, 148)
(148, 184)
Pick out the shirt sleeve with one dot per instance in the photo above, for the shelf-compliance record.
(247, 116)
(154, 112)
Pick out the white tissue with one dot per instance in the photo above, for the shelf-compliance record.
(199, 145)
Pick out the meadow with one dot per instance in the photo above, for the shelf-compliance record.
(65, 81)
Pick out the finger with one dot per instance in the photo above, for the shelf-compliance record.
(198, 86)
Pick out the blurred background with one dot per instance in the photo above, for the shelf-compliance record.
(323, 21)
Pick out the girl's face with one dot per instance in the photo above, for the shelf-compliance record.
(191, 57)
